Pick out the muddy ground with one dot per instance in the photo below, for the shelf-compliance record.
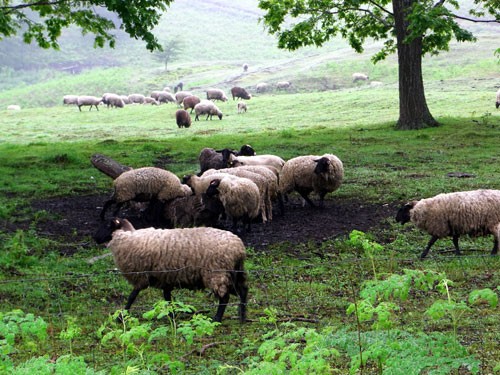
(71, 220)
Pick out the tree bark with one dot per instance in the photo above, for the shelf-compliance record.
(413, 110)
(108, 166)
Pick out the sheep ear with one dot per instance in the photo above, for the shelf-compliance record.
(116, 222)
(410, 205)
(215, 182)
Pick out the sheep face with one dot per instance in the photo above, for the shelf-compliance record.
(213, 188)
(247, 150)
(322, 166)
(403, 215)
(105, 232)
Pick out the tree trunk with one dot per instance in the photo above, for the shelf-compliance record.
(108, 166)
(413, 110)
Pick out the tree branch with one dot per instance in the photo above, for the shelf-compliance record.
(473, 20)
(382, 8)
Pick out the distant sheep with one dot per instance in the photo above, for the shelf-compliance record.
(193, 258)
(190, 101)
(182, 118)
(245, 67)
(242, 107)
(70, 99)
(240, 93)
(125, 99)
(150, 100)
(216, 94)
(206, 107)
(113, 100)
(497, 103)
(165, 97)
(311, 173)
(85, 100)
(262, 87)
(167, 89)
(136, 98)
(359, 77)
(473, 213)
(143, 185)
(283, 85)
(178, 87)
(13, 107)
(181, 95)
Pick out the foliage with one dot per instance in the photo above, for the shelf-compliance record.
(137, 19)
(169, 52)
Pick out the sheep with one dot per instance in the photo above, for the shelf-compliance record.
(240, 93)
(206, 107)
(245, 67)
(359, 77)
(283, 85)
(125, 99)
(191, 258)
(178, 87)
(200, 184)
(167, 89)
(216, 94)
(13, 107)
(165, 97)
(242, 107)
(179, 96)
(70, 99)
(193, 210)
(311, 173)
(136, 98)
(262, 87)
(142, 185)
(150, 100)
(475, 213)
(182, 118)
(272, 160)
(240, 198)
(91, 101)
(497, 104)
(113, 100)
(217, 159)
(190, 102)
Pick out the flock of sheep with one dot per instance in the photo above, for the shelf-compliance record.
(243, 187)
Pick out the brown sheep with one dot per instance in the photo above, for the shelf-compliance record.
(182, 118)
(190, 102)
(240, 93)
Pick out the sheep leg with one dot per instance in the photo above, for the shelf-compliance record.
(131, 298)
(304, 195)
(495, 247)
(242, 308)
(223, 301)
(167, 294)
(105, 207)
(455, 243)
(431, 242)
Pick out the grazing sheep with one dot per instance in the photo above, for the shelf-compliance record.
(13, 107)
(178, 87)
(200, 184)
(165, 97)
(283, 85)
(190, 102)
(91, 101)
(240, 93)
(218, 159)
(206, 107)
(113, 100)
(192, 258)
(497, 104)
(150, 100)
(359, 77)
(245, 67)
(181, 95)
(143, 185)
(272, 160)
(306, 174)
(216, 94)
(240, 198)
(193, 211)
(182, 118)
(262, 87)
(70, 99)
(242, 107)
(136, 98)
(475, 213)
(125, 99)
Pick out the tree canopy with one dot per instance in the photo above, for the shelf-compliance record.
(43, 21)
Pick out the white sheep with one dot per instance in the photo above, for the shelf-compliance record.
(242, 107)
(113, 100)
(311, 173)
(216, 94)
(143, 185)
(473, 213)
(283, 85)
(262, 87)
(87, 100)
(497, 103)
(271, 160)
(70, 99)
(180, 95)
(150, 100)
(192, 258)
(13, 107)
(206, 107)
(359, 77)
(165, 97)
(240, 198)
(136, 98)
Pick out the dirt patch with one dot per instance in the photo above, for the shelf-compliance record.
(72, 220)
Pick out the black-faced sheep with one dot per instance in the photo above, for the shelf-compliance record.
(182, 118)
(143, 185)
(136, 98)
(240, 93)
(87, 100)
(190, 102)
(206, 107)
(217, 159)
(359, 77)
(216, 94)
(310, 173)
(497, 103)
(190, 258)
(240, 198)
(473, 213)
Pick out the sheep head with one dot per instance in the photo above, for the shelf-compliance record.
(105, 232)
(213, 187)
(322, 165)
(403, 215)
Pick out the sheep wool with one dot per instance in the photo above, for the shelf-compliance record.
(310, 173)
(192, 258)
(473, 213)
